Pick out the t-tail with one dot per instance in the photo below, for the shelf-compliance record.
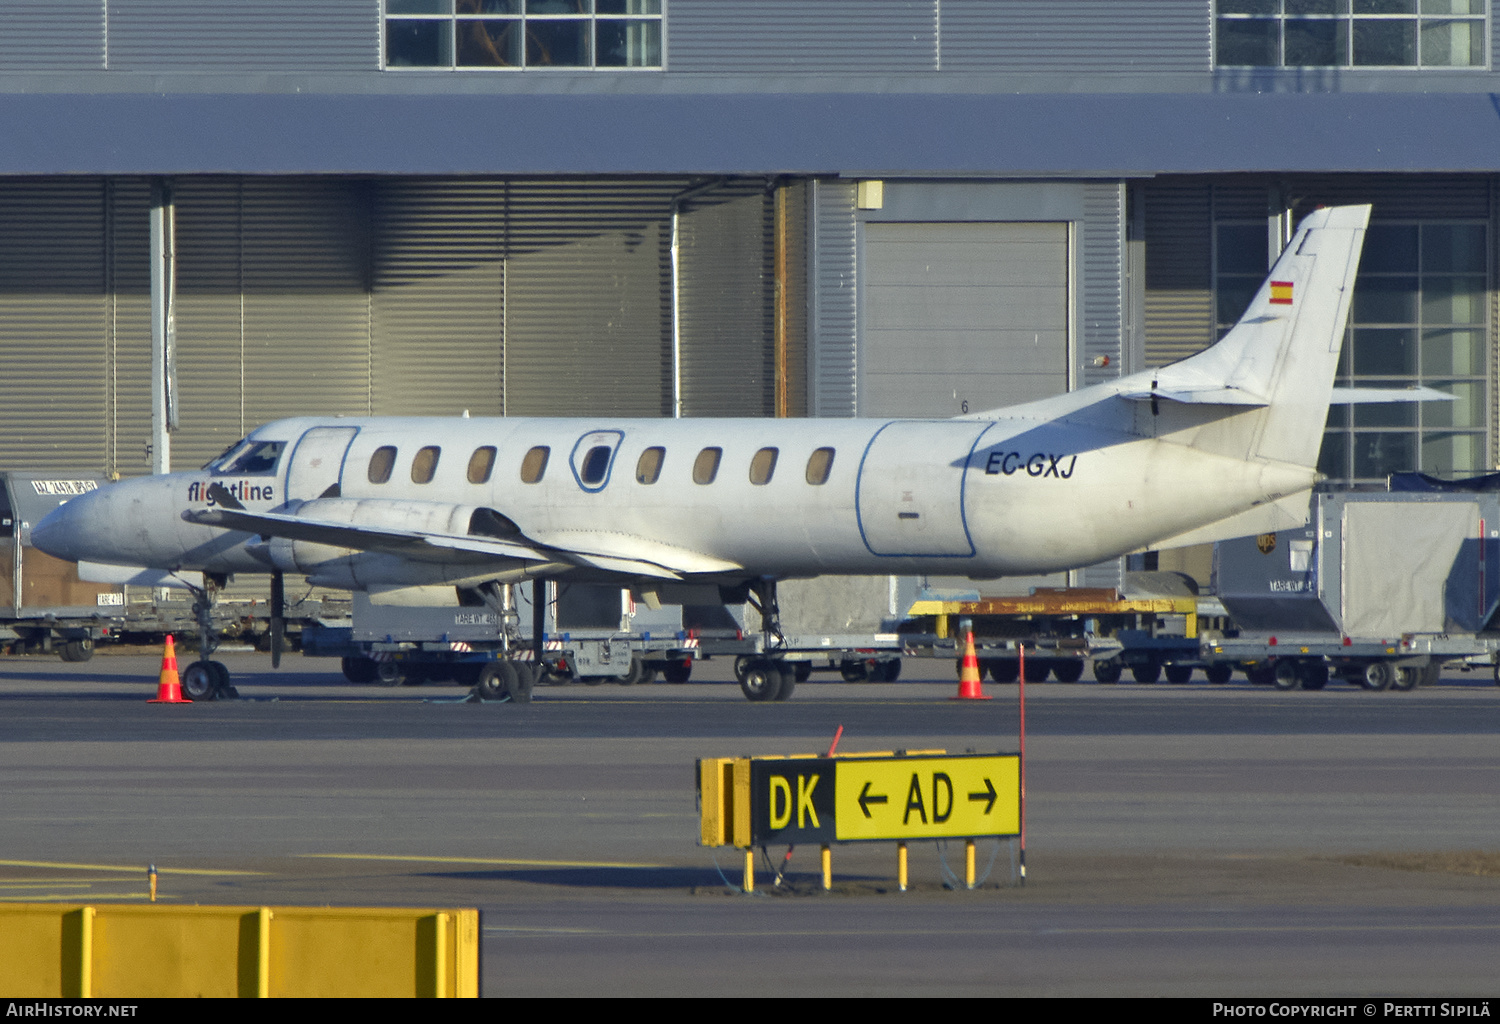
(1262, 393)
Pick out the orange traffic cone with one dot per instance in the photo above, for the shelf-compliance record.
(168, 686)
(968, 673)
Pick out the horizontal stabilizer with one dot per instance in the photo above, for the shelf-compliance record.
(1361, 396)
(1219, 394)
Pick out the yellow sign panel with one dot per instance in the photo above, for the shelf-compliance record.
(928, 797)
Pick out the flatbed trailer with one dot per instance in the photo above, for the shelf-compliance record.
(1064, 631)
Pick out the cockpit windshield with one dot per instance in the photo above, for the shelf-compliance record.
(248, 458)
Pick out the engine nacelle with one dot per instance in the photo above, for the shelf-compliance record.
(332, 562)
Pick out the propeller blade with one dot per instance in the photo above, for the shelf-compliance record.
(278, 617)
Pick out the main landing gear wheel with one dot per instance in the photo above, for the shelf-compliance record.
(501, 679)
(765, 679)
(206, 680)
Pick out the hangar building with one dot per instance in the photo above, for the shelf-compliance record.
(719, 207)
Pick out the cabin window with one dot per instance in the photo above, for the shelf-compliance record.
(381, 464)
(595, 465)
(534, 466)
(481, 464)
(648, 466)
(706, 465)
(425, 464)
(762, 466)
(819, 465)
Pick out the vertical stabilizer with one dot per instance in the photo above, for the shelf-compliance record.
(1278, 363)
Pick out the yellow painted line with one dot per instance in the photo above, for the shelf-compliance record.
(136, 868)
(484, 860)
(93, 897)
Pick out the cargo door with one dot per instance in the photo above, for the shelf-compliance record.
(317, 462)
(911, 489)
(1397, 559)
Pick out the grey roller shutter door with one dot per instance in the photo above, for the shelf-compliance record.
(957, 313)
(588, 290)
(438, 298)
(53, 324)
(726, 294)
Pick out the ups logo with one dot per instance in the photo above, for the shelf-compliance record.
(1265, 543)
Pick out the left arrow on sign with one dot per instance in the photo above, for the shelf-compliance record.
(989, 795)
(865, 799)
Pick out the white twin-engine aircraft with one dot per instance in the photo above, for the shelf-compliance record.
(1219, 445)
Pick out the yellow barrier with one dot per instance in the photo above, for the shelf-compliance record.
(109, 952)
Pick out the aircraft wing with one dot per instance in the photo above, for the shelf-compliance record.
(616, 554)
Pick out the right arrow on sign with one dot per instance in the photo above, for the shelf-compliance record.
(989, 796)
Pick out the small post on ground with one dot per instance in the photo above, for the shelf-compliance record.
(969, 873)
(749, 869)
(827, 868)
(901, 866)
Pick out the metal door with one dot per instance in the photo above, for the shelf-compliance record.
(317, 462)
(911, 488)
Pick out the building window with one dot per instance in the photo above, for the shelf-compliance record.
(1349, 33)
(493, 34)
(1419, 318)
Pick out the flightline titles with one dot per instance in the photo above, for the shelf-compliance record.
(1319, 1008)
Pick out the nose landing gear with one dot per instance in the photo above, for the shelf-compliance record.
(206, 679)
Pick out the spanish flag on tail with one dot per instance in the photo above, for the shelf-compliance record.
(1281, 293)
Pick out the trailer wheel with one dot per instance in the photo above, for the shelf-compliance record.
(1314, 675)
(677, 671)
(1067, 670)
(1378, 676)
(889, 670)
(762, 680)
(389, 673)
(1179, 674)
(1108, 670)
(359, 669)
(1219, 673)
(802, 670)
(77, 650)
(1286, 676)
(856, 671)
(1407, 678)
(1003, 670)
(1147, 673)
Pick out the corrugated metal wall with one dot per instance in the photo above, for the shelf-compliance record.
(1101, 238)
(1179, 268)
(36, 34)
(172, 35)
(298, 296)
(1064, 35)
(766, 36)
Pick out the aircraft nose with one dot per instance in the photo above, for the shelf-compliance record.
(62, 532)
